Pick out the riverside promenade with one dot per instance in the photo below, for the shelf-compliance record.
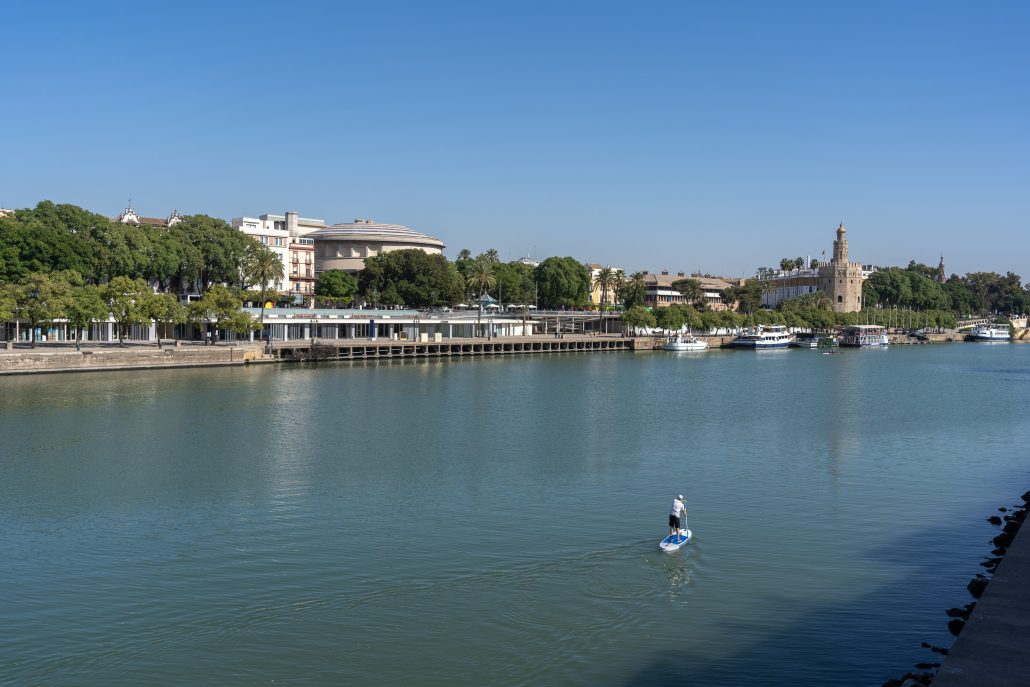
(993, 646)
(48, 358)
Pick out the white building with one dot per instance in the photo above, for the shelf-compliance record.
(285, 235)
(345, 246)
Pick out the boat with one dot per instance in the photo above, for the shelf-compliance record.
(763, 337)
(859, 335)
(682, 342)
(990, 332)
(813, 340)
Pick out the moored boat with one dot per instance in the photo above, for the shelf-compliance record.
(763, 337)
(685, 342)
(864, 335)
(990, 332)
(813, 340)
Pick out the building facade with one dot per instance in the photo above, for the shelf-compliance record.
(659, 292)
(596, 290)
(346, 246)
(129, 216)
(285, 235)
(841, 279)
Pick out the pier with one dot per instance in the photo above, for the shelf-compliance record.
(345, 349)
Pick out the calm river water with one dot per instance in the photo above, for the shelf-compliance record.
(496, 521)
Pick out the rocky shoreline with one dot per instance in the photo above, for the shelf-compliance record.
(1010, 521)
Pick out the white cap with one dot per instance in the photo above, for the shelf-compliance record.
(680, 497)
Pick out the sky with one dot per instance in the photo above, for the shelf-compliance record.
(685, 136)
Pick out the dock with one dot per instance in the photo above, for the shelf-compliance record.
(347, 349)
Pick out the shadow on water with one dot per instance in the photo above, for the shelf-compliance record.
(838, 644)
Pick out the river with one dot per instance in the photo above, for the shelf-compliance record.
(495, 521)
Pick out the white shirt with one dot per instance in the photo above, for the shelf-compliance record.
(677, 507)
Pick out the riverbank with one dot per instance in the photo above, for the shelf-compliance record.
(990, 630)
(53, 359)
(56, 358)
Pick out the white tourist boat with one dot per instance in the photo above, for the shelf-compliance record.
(864, 335)
(990, 332)
(763, 337)
(685, 342)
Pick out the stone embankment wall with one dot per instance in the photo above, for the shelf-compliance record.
(41, 361)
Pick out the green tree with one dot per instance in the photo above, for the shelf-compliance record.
(632, 292)
(336, 286)
(410, 277)
(747, 297)
(562, 282)
(165, 309)
(692, 291)
(8, 302)
(638, 317)
(219, 307)
(40, 299)
(670, 318)
(515, 282)
(127, 301)
(86, 305)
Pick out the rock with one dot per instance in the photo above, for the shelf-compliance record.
(994, 520)
(1003, 509)
(955, 626)
(991, 563)
(927, 666)
(1011, 527)
(998, 552)
(1004, 539)
(1026, 497)
(976, 587)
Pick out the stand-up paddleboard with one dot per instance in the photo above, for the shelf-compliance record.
(674, 541)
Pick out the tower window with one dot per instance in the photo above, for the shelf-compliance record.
(840, 299)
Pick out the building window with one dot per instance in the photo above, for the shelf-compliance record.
(840, 299)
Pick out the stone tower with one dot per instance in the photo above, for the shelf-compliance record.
(940, 271)
(841, 280)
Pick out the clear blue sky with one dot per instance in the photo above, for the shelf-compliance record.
(679, 135)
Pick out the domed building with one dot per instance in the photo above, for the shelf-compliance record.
(345, 246)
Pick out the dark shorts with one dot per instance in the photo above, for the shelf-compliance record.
(674, 521)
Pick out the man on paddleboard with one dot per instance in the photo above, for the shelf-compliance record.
(674, 515)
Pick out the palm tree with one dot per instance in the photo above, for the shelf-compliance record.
(633, 290)
(264, 267)
(481, 274)
(603, 280)
(692, 291)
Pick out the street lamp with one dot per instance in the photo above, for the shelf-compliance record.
(314, 329)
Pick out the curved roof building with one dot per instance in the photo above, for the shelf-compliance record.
(345, 246)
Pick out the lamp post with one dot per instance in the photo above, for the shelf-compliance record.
(314, 329)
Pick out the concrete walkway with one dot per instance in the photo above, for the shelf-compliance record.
(994, 647)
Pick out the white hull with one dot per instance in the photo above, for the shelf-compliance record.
(685, 344)
(772, 336)
(983, 333)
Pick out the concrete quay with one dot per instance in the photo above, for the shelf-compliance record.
(64, 358)
(49, 358)
(994, 646)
